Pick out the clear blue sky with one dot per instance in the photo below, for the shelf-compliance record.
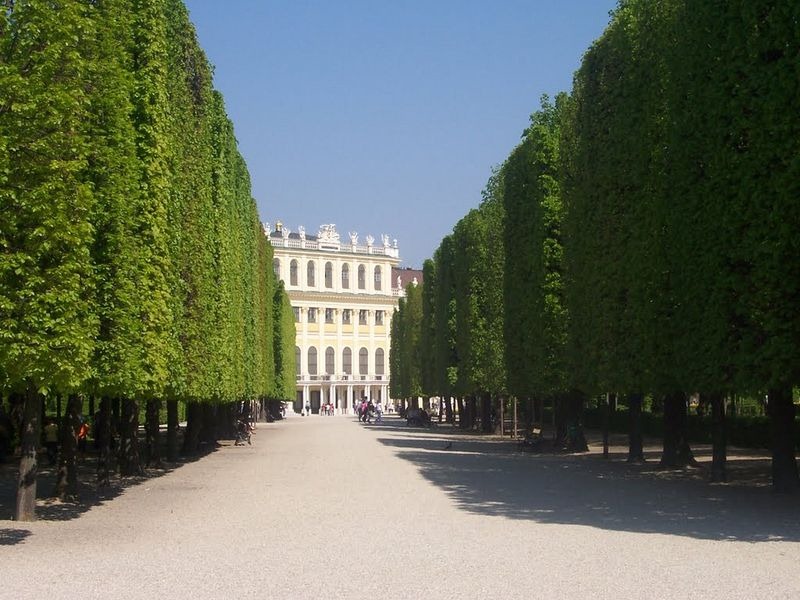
(386, 116)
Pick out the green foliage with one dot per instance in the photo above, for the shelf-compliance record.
(405, 362)
(478, 286)
(284, 340)
(47, 322)
(132, 259)
(535, 314)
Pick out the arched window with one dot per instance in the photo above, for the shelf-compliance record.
(346, 277)
(377, 278)
(362, 277)
(297, 359)
(276, 267)
(328, 275)
(347, 361)
(293, 272)
(312, 361)
(310, 274)
(330, 360)
(379, 361)
(363, 361)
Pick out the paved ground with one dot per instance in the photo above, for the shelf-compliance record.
(323, 507)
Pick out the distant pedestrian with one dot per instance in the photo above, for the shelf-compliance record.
(83, 434)
(51, 440)
(378, 413)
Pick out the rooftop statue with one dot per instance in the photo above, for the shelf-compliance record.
(327, 233)
(354, 238)
(302, 231)
(370, 240)
(385, 240)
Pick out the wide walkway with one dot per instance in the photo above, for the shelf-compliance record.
(323, 507)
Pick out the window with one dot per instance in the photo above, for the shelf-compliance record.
(362, 277)
(276, 267)
(312, 361)
(377, 278)
(346, 316)
(363, 361)
(328, 275)
(362, 317)
(329, 315)
(312, 315)
(379, 361)
(296, 311)
(330, 358)
(297, 358)
(310, 274)
(346, 277)
(347, 361)
(293, 273)
(378, 317)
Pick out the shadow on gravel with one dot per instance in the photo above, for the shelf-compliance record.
(90, 494)
(492, 477)
(11, 537)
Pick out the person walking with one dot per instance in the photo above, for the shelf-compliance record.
(51, 440)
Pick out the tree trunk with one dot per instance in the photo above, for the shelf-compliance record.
(607, 422)
(635, 442)
(208, 427)
(560, 421)
(129, 461)
(781, 411)
(448, 409)
(719, 453)
(31, 433)
(486, 413)
(225, 418)
(152, 441)
(460, 407)
(191, 435)
(172, 430)
(502, 420)
(103, 432)
(676, 451)
(116, 420)
(472, 411)
(67, 480)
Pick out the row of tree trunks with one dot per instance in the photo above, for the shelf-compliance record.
(635, 440)
(448, 410)
(67, 479)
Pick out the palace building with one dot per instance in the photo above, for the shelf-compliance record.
(344, 294)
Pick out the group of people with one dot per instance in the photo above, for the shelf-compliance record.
(367, 409)
(51, 441)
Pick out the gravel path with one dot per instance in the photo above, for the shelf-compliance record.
(323, 507)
